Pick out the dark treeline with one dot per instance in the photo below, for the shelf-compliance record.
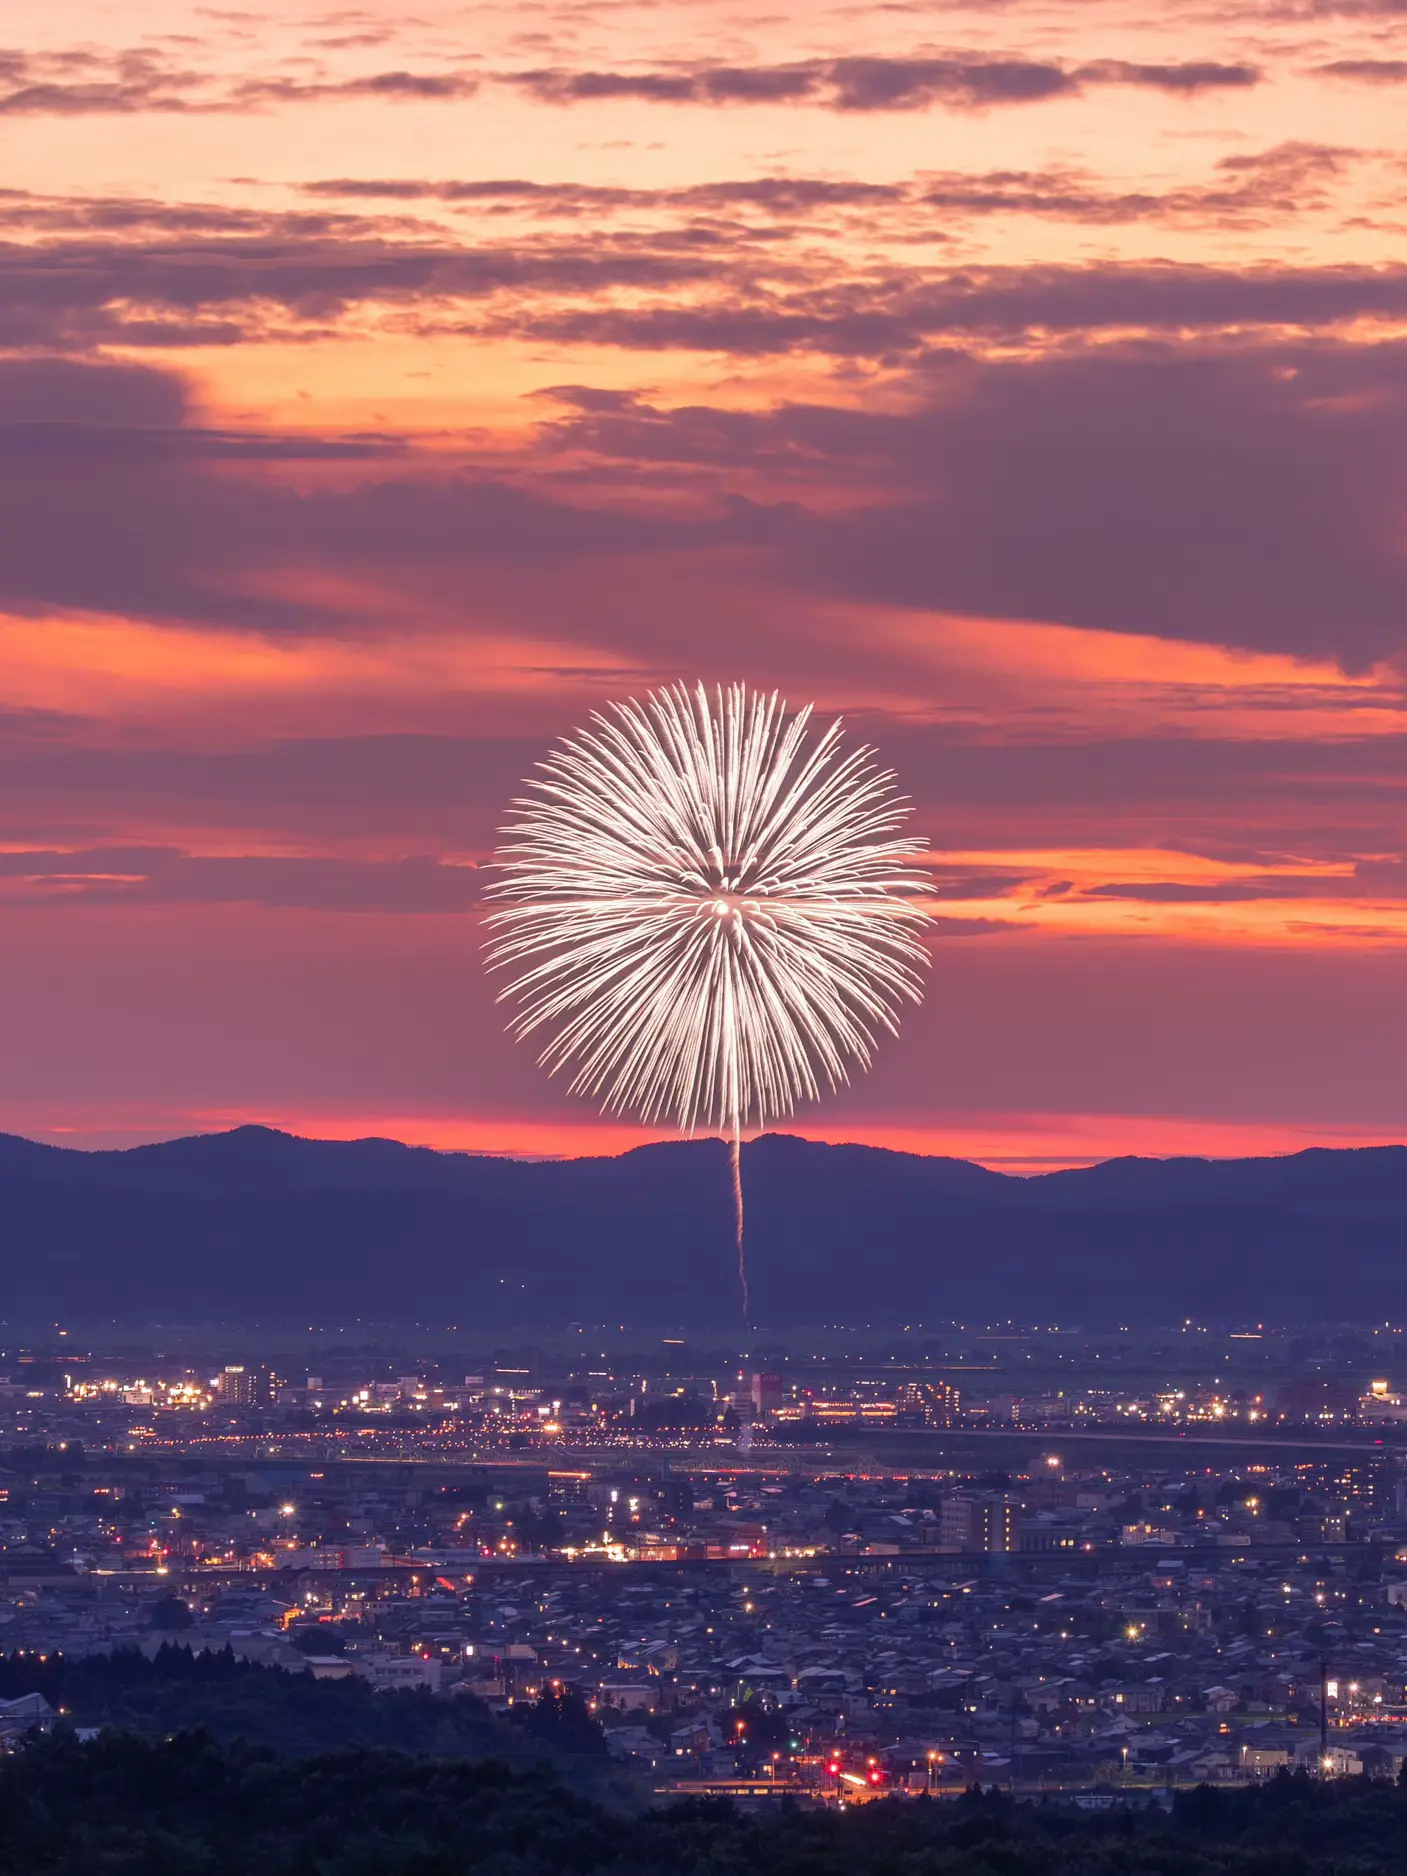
(293, 1714)
(210, 1764)
(192, 1806)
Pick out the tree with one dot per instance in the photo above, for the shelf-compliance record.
(169, 1612)
(560, 1720)
(318, 1638)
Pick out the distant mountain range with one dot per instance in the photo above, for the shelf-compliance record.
(257, 1225)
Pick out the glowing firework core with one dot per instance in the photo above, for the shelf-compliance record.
(708, 911)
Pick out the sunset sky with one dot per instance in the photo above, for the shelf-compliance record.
(1025, 382)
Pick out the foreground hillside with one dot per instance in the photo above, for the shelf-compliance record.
(259, 1225)
(127, 1804)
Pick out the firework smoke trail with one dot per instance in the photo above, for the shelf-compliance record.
(735, 1158)
(708, 911)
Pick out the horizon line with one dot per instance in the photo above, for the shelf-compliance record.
(911, 1142)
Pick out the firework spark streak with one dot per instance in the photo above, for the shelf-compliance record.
(708, 911)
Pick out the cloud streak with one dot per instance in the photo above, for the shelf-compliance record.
(116, 876)
(1284, 180)
(124, 83)
(879, 84)
(1232, 496)
(138, 81)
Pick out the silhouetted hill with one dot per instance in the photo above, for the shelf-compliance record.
(260, 1225)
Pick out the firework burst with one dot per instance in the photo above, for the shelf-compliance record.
(707, 910)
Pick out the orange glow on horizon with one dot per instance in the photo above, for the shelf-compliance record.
(1013, 1143)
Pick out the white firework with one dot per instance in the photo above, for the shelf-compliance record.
(709, 910)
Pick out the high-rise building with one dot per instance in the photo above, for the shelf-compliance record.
(240, 1384)
(766, 1391)
(933, 1403)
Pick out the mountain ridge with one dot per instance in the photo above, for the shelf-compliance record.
(255, 1224)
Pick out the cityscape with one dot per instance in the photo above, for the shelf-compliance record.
(864, 1569)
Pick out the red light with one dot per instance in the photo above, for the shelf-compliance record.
(874, 1778)
(832, 1768)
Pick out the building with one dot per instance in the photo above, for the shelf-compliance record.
(929, 1403)
(1317, 1397)
(989, 1522)
(241, 1385)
